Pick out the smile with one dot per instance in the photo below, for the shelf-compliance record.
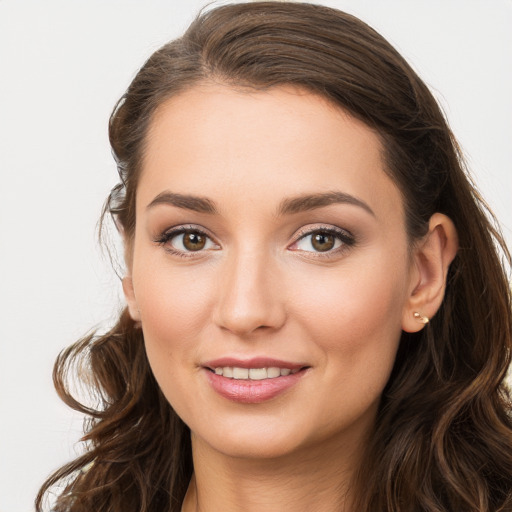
(272, 372)
(253, 381)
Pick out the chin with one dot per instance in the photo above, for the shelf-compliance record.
(252, 438)
(255, 447)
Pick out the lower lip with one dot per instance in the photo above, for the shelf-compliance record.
(252, 391)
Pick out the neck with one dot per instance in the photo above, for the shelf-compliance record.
(301, 482)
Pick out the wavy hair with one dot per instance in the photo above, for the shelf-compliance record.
(443, 436)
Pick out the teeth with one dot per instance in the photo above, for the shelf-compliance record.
(240, 373)
(253, 373)
(257, 373)
(273, 372)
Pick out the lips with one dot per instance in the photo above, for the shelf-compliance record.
(252, 381)
(239, 373)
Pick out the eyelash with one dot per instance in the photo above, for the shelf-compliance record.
(345, 237)
(168, 235)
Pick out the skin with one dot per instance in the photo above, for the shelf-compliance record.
(259, 288)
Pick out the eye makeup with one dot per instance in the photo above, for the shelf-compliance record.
(319, 241)
(326, 241)
(186, 241)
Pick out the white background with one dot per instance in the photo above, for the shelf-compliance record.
(63, 64)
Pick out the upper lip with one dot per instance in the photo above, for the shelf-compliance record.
(255, 362)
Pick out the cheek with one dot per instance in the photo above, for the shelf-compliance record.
(351, 301)
(173, 315)
(172, 307)
(354, 319)
(170, 299)
(354, 316)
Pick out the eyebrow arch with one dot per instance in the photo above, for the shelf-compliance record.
(287, 207)
(312, 201)
(194, 203)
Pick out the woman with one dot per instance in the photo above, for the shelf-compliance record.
(317, 314)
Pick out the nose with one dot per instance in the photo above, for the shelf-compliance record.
(250, 296)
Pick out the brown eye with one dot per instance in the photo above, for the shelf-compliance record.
(193, 241)
(322, 241)
(185, 241)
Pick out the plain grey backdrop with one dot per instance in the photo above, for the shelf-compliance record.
(63, 64)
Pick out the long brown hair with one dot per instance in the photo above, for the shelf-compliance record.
(443, 437)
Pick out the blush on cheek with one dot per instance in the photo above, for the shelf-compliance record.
(173, 301)
(363, 305)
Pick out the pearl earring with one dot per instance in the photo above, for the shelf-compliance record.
(422, 319)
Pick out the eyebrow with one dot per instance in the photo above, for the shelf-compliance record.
(194, 203)
(312, 201)
(288, 206)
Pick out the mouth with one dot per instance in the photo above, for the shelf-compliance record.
(254, 381)
(265, 373)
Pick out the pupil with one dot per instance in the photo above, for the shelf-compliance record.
(193, 241)
(323, 241)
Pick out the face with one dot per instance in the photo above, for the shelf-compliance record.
(270, 268)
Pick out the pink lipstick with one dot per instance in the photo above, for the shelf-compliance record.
(254, 380)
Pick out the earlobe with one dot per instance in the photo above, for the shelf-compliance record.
(129, 294)
(432, 258)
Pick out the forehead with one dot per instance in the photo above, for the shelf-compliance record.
(221, 141)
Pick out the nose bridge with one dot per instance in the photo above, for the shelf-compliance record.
(249, 295)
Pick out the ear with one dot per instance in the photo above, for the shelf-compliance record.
(431, 259)
(129, 294)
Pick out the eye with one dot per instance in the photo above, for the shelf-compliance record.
(190, 241)
(186, 240)
(323, 240)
